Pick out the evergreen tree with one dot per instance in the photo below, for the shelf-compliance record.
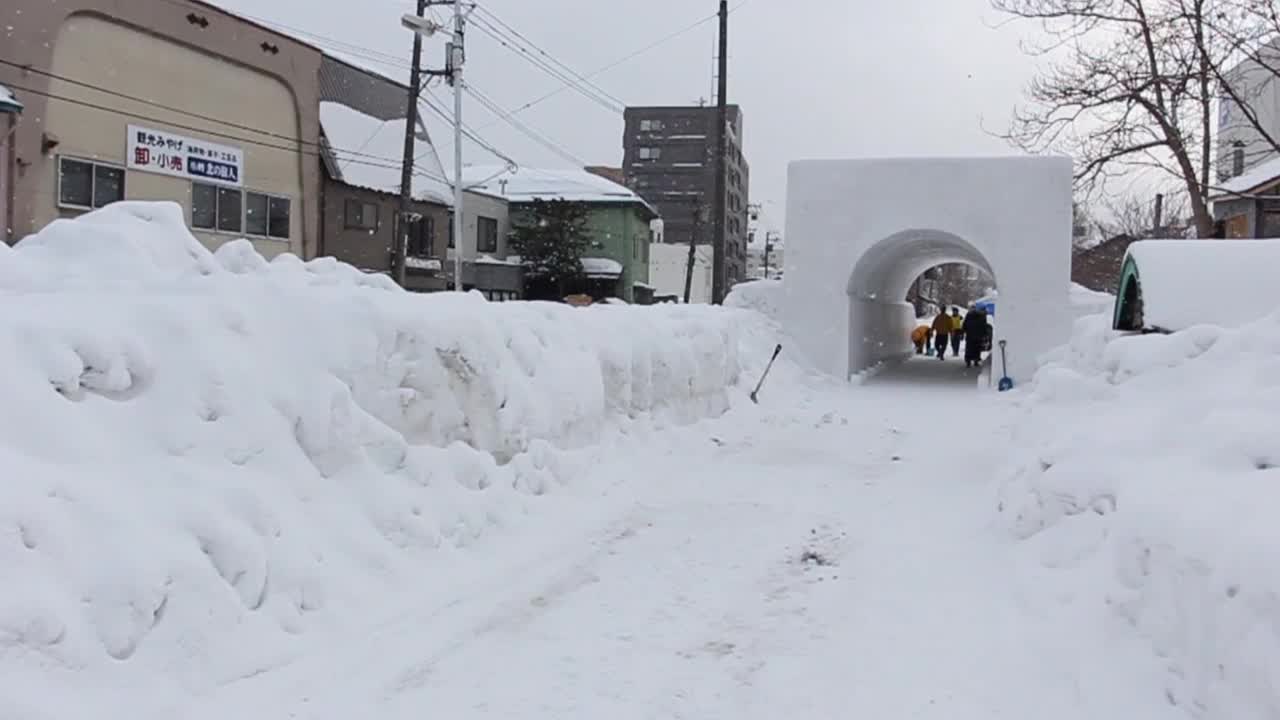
(550, 241)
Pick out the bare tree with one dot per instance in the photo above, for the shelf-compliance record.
(1130, 88)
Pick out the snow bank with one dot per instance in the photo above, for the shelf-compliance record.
(1193, 282)
(1146, 479)
(210, 456)
(762, 296)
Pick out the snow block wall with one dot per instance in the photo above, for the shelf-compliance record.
(205, 453)
(1144, 484)
(859, 232)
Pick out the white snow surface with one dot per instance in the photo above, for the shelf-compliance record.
(1206, 282)
(212, 460)
(1143, 481)
(762, 296)
(601, 267)
(527, 183)
(247, 489)
(1250, 180)
(370, 153)
(8, 98)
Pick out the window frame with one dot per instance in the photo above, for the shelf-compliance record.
(244, 193)
(649, 153)
(482, 220)
(93, 182)
(364, 205)
(429, 224)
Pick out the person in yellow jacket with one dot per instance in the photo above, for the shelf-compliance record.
(921, 337)
(957, 331)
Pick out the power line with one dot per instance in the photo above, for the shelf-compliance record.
(517, 48)
(466, 131)
(492, 106)
(181, 111)
(626, 58)
(493, 18)
(302, 143)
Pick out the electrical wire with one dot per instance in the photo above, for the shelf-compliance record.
(498, 112)
(169, 108)
(515, 47)
(466, 131)
(493, 18)
(387, 164)
(624, 59)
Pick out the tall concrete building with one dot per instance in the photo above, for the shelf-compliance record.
(669, 160)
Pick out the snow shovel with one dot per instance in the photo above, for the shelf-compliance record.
(1006, 382)
(765, 374)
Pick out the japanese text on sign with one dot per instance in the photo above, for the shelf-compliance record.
(168, 154)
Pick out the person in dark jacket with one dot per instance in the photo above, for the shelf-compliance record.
(976, 329)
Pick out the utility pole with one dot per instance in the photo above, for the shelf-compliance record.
(1157, 230)
(454, 60)
(698, 209)
(457, 56)
(399, 255)
(722, 119)
(768, 246)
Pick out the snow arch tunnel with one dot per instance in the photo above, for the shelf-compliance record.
(860, 231)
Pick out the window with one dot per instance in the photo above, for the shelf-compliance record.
(87, 185)
(422, 235)
(650, 125)
(450, 230)
(278, 211)
(1237, 158)
(486, 235)
(650, 153)
(227, 209)
(204, 206)
(255, 214)
(360, 215)
(230, 211)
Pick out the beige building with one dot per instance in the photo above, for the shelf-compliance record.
(162, 100)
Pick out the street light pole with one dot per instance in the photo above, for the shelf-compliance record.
(400, 251)
(457, 56)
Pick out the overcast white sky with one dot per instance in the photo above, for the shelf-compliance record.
(815, 78)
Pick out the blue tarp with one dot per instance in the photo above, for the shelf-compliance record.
(988, 305)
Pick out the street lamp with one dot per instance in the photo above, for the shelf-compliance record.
(425, 27)
(455, 57)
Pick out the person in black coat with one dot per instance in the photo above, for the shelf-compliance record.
(975, 329)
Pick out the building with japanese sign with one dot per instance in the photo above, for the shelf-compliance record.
(164, 100)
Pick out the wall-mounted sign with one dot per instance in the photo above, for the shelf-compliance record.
(163, 152)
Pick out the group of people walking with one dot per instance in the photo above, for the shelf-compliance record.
(951, 329)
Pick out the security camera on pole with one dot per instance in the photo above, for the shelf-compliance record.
(455, 57)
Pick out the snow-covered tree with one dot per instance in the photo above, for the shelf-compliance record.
(551, 237)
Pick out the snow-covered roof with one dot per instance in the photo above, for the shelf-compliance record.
(526, 184)
(369, 154)
(601, 267)
(8, 101)
(1252, 179)
(1205, 282)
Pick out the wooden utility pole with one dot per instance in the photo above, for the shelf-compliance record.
(401, 239)
(1157, 229)
(718, 207)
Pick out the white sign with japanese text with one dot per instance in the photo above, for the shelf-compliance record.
(163, 152)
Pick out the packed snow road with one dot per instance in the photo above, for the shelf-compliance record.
(826, 555)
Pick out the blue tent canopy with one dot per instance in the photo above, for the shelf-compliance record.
(989, 306)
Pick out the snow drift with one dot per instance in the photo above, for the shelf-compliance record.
(208, 454)
(1147, 479)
